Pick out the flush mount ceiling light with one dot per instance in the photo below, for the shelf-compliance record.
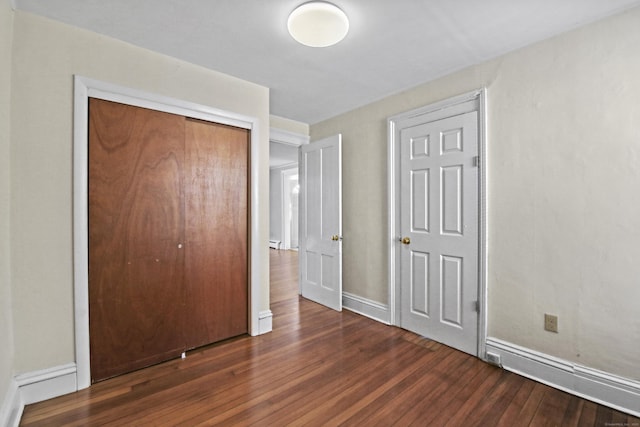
(318, 24)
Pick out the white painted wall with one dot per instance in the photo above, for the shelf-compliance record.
(6, 312)
(563, 178)
(46, 55)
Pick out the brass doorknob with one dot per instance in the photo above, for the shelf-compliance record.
(405, 240)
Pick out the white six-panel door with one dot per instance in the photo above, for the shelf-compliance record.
(439, 230)
(320, 204)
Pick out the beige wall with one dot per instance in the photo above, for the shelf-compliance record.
(563, 183)
(6, 318)
(289, 125)
(46, 56)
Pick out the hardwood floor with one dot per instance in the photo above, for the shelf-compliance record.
(321, 368)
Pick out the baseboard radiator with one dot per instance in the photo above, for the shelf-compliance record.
(274, 244)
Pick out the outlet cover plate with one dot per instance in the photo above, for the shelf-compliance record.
(551, 323)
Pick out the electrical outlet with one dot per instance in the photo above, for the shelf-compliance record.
(551, 323)
(494, 359)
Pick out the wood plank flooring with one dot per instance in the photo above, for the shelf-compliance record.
(321, 368)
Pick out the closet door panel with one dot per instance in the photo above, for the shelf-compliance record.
(136, 220)
(216, 234)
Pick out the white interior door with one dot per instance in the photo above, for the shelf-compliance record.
(320, 204)
(439, 229)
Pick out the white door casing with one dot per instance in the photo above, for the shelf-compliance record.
(85, 88)
(436, 205)
(320, 204)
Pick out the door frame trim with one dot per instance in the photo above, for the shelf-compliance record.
(84, 88)
(436, 111)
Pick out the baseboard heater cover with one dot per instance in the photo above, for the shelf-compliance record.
(607, 389)
(274, 244)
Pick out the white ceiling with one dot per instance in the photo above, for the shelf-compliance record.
(391, 46)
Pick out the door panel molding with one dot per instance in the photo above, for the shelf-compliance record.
(467, 102)
(84, 88)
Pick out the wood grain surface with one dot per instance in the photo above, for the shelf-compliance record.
(136, 216)
(168, 235)
(216, 200)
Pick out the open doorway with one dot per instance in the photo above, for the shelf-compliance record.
(284, 188)
(290, 192)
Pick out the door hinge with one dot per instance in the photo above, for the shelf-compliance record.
(476, 305)
(476, 161)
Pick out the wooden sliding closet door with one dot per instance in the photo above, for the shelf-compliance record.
(216, 234)
(136, 216)
(168, 235)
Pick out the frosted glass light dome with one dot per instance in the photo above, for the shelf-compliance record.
(318, 24)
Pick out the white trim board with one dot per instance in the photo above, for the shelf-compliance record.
(288, 138)
(591, 384)
(32, 387)
(12, 407)
(366, 307)
(265, 321)
(47, 383)
(85, 88)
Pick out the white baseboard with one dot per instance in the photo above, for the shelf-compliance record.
(265, 322)
(366, 307)
(601, 387)
(12, 407)
(47, 383)
(34, 387)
